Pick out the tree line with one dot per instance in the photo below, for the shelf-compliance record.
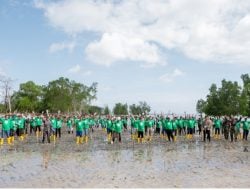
(61, 95)
(229, 99)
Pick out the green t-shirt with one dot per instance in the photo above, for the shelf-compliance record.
(86, 123)
(59, 123)
(118, 126)
(245, 125)
(168, 124)
(79, 125)
(218, 123)
(158, 124)
(69, 122)
(5, 124)
(20, 123)
(53, 123)
(38, 121)
(174, 123)
(141, 126)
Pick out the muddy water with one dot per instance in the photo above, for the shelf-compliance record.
(98, 164)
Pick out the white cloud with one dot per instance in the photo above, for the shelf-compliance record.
(117, 47)
(55, 47)
(216, 31)
(77, 69)
(169, 77)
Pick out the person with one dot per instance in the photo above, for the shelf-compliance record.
(199, 125)
(20, 126)
(169, 129)
(226, 126)
(79, 130)
(12, 128)
(47, 128)
(59, 123)
(86, 126)
(32, 125)
(109, 127)
(158, 126)
(54, 126)
(38, 121)
(217, 125)
(175, 123)
(70, 125)
(245, 129)
(232, 128)
(141, 129)
(150, 124)
(237, 129)
(5, 129)
(118, 130)
(207, 129)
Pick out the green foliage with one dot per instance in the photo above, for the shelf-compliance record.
(229, 99)
(143, 107)
(200, 106)
(95, 110)
(28, 98)
(61, 95)
(120, 109)
(106, 110)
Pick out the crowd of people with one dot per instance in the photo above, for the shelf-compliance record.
(142, 128)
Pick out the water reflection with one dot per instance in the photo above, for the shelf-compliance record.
(46, 158)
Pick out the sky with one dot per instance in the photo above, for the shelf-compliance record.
(164, 52)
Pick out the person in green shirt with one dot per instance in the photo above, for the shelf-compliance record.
(150, 125)
(69, 125)
(174, 123)
(109, 128)
(54, 126)
(59, 123)
(245, 129)
(237, 129)
(5, 129)
(118, 126)
(217, 126)
(32, 125)
(20, 122)
(86, 126)
(141, 130)
(169, 129)
(79, 130)
(158, 126)
(39, 122)
(13, 128)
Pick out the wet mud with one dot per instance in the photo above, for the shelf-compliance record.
(156, 164)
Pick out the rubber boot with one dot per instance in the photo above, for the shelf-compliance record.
(9, 140)
(54, 137)
(187, 136)
(138, 140)
(86, 139)
(37, 134)
(175, 138)
(77, 140)
(142, 140)
(12, 140)
(81, 140)
(1, 141)
(22, 137)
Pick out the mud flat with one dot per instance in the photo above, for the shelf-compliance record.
(158, 164)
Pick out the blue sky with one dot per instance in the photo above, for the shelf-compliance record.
(166, 53)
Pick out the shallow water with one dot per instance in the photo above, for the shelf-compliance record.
(98, 164)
